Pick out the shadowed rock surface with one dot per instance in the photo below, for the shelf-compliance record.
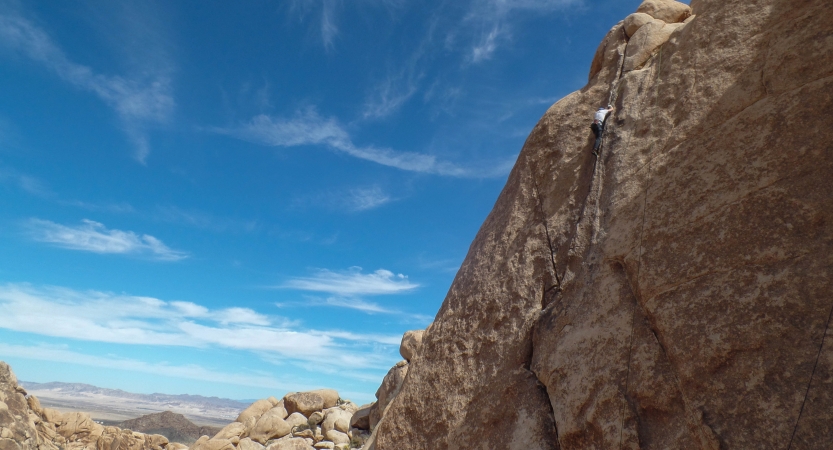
(673, 293)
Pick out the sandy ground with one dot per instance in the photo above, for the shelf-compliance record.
(113, 409)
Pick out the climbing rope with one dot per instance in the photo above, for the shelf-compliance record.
(613, 89)
(639, 263)
(614, 85)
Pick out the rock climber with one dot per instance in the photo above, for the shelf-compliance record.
(598, 126)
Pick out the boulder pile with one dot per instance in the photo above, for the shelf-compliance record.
(26, 425)
(77, 431)
(299, 421)
(316, 419)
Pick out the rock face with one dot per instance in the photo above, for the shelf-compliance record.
(389, 389)
(17, 428)
(676, 291)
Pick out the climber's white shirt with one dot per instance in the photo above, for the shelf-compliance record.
(600, 115)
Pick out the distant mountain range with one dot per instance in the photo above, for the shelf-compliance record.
(116, 405)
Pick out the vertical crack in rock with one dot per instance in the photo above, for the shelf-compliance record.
(551, 411)
(614, 88)
(537, 192)
(810, 383)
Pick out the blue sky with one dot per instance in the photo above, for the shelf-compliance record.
(208, 198)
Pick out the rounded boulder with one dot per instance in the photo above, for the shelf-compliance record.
(305, 403)
(256, 409)
(336, 419)
(271, 425)
(291, 444)
(669, 11)
(635, 21)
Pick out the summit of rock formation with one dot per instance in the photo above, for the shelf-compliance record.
(674, 292)
(175, 427)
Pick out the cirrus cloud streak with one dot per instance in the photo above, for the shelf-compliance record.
(307, 127)
(137, 102)
(352, 282)
(135, 320)
(94, 237)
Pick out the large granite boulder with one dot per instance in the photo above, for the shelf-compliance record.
(666, 10)
(270, 425)
(411, 342)
(255, 410)
(336, 419)
(674, 292)
(361, 418)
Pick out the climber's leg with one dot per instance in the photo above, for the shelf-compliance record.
(598, 132)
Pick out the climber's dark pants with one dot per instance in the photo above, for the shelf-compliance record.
(598, 130)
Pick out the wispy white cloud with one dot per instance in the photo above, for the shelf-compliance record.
(200, 219)
(352, 200)
(94, 237)
(118, 208)
(380, 338)
(390, 95)
(352, 282)
(363, 199)
(442, 265)
(307, 127)
(358, 304)
(328, 12)
(329, 29)
(189, 371)
(491, 21)
(135, 320)
(137, 102)
(487, 44)
(27, 183)
(339, 302)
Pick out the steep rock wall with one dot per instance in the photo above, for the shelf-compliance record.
(675, 292)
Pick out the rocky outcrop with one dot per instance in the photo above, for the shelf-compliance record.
(300, 420)
(175, 427)
(367, 418)
(676, 291)
(26, 425)
(17, 427)
(390, 387)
